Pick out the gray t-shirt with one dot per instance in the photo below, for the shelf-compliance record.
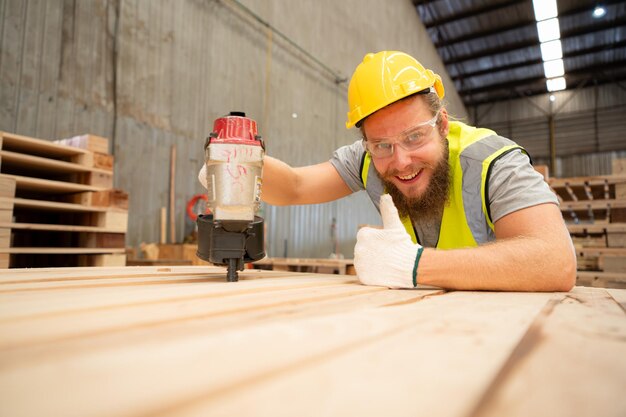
(513, 185)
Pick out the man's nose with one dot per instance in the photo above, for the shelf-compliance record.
(401, 156)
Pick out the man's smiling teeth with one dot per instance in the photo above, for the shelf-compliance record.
(410, 176)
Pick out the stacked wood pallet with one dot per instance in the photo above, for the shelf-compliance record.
(594, 209)
(316, 265)
(180, 341)
(165, 254)
(57, 204)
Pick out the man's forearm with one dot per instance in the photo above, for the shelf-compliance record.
(285, 185)
(516, 264)
(280, 182)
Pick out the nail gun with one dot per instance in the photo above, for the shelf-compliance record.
(232, 234)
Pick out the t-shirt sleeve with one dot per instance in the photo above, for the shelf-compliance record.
(347, 161)
(514, 184)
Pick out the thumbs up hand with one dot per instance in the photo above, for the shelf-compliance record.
(387, 257)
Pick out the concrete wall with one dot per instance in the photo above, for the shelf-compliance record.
(150, 74)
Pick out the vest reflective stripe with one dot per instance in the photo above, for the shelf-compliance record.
(365, 169)
(466, 219)
(487, 163)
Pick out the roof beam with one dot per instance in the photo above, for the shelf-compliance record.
(539, 88)
(596, 27)
(471, 12)
(572, 54)
(530, 80)
(528, 25)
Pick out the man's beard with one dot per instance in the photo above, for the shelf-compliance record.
(428, 206)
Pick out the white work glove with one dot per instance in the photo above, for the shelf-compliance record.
(387, 257)
(202, 176)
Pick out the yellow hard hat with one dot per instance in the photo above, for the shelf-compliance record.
(383, 78)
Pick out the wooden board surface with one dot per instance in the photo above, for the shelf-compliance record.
(589, 181)
(79, 251)
(46, 164)
(181, 341)
(27, 144)
(50, 186)
(43, 205)
(64, 228)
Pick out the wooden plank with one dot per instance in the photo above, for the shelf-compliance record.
(613, 263)
(26, 275)
(47, 164)
(619, 296)
(102, 240)
(152, 262)
(108, 259)
(318, 265)
(589, 241)
(51, 328)
(601, 279)
(112, 227)
(112, 220)
(98, 179)
(106, 198)
(588, 327)
(103, 161)
(38, 250)
(49, 186)
(170, 251)
(88, 142)
(590, 181)
(25, 144)
(6, 215)
(601, 251)
(594, 205)
(42, 205)
(361, 350)
(618, 166)
(7, 190)
(5, 238)
(616, 240)
(7, 187)
(288, 344)
(596, 228)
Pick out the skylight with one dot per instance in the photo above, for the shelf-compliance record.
(546, 15)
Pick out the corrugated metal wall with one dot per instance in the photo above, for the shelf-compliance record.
(154, 73)
(589, 126)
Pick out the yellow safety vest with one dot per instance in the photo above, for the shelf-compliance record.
(467, 146)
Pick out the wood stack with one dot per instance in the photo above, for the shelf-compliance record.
(594, 209)
(166, 254)
(316, 265)
(57, 203)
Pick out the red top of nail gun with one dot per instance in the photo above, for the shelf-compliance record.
(235, 128)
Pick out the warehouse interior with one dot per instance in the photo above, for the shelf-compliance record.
(312, 208)
(152, 76)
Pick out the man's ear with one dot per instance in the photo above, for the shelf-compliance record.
(444, 128)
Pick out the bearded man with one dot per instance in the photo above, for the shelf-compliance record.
(470, 212)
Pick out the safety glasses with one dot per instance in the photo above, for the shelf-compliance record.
(409, 140)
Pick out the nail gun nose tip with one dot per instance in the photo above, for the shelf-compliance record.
(232, 275)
